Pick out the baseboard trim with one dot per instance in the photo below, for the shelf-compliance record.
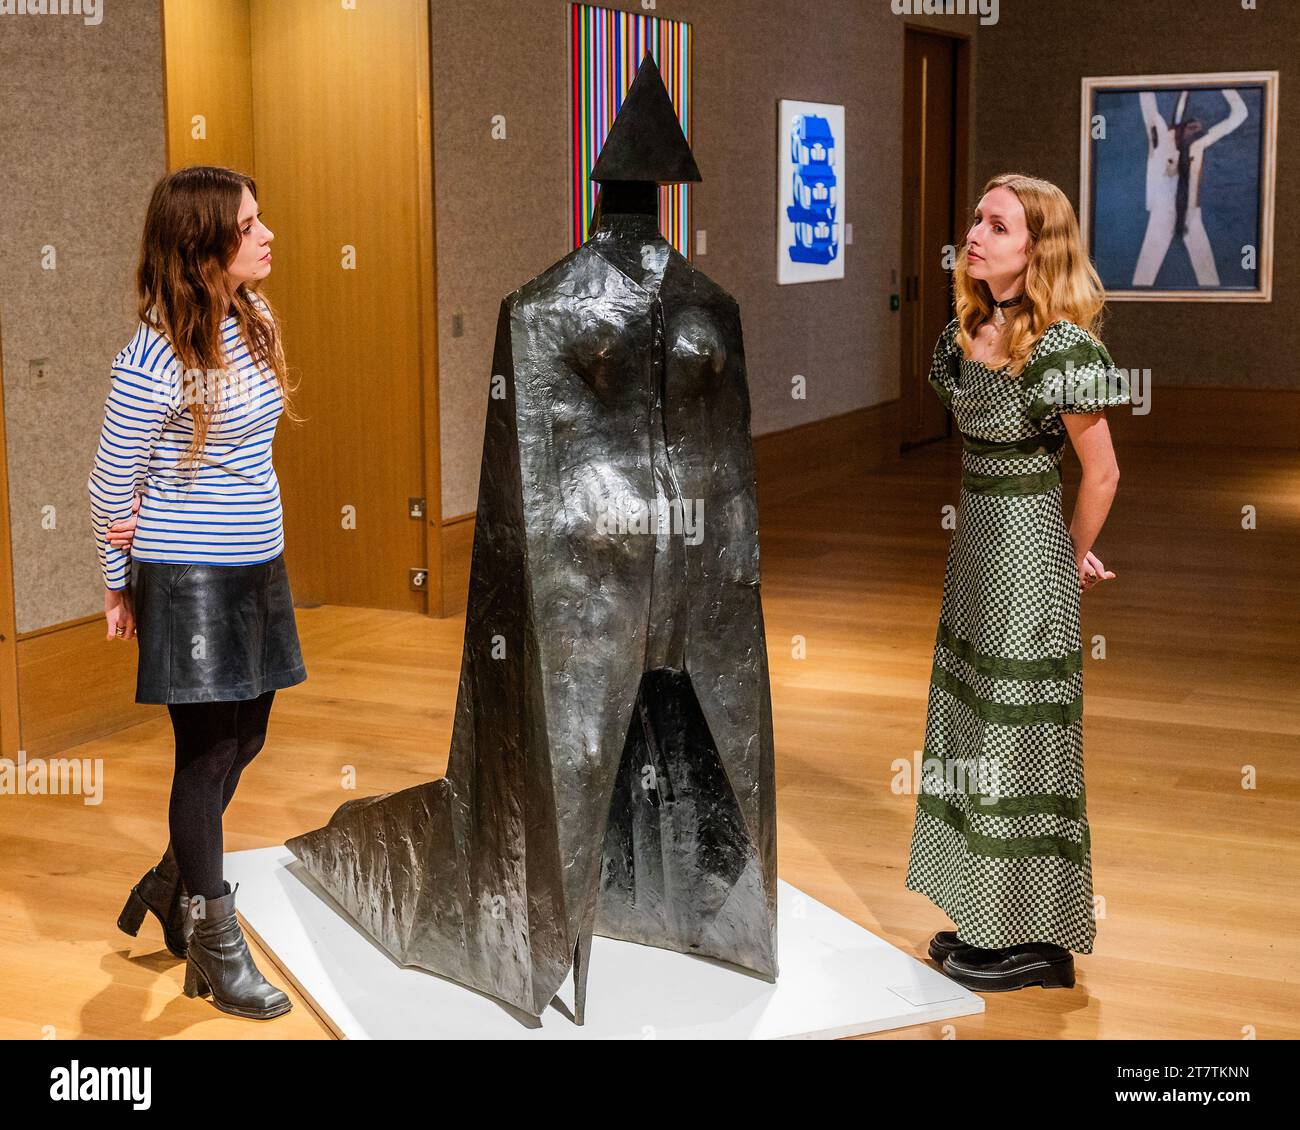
(74, 685)
(457, 546)
(1218, 417)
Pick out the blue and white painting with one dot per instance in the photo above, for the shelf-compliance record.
(1178, 179)
(810, 192)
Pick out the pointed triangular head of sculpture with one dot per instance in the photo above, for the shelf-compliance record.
(646, 142)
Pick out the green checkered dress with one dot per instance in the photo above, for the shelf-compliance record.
(1001, 840)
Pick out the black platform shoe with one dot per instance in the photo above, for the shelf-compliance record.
(219, 965)
(1000, 970)
(161, 891)
(946, 942)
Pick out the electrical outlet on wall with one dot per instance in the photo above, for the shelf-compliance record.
(848, 234)
(701, 242)
(39, 370)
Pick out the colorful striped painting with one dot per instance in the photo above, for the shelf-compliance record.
(605, 48)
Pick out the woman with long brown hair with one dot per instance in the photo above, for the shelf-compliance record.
(194, 567)
(1001, 840)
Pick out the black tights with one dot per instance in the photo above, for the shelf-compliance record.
(215, 741)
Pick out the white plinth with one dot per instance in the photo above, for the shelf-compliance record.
(836, 978)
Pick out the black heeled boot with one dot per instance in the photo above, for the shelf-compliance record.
(219, 964)
(161, 891)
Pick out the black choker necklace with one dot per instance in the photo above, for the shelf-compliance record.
(998, 307)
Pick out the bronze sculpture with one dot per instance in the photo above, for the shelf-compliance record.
(611, 765)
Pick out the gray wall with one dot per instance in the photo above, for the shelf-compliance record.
(503, 205)
(82, 143)
(1033, 60)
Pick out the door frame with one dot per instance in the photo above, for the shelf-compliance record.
(10, 718)
(427, 226)
(961, 190)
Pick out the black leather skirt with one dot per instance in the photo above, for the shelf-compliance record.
(208, 633)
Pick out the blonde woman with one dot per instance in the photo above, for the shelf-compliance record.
(198, 574)
(1001, 840)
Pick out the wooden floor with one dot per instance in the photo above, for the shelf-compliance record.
(1198, 689)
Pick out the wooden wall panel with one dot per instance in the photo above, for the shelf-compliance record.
(340, 112)
(208, 53)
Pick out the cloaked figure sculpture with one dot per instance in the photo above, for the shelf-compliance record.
(611, 766)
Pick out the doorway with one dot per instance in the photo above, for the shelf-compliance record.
(327, 106)
(9, 714)
(935, 131)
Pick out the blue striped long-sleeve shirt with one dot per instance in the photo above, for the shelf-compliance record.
(231, 514)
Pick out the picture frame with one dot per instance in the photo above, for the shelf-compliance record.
(810, 191)
(1177, 184)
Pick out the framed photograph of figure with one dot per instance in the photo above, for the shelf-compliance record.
(809, 192)
(1177, 179)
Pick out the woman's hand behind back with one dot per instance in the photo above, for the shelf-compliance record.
(121, 533)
